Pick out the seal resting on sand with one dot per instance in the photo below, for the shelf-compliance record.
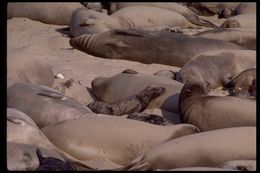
(214, 112)
(147, 46)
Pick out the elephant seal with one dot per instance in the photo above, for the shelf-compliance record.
(186, 12)
(231, 24)
(238, 36)
(242, 8)
(157, 47)
(124, 85)
(198, 150)
(50, 106)
(27, 68)
(17, 116)
(241, 165)
(214, 112)
(103, 137)
(216, 68)
(84, 21)
(50, 13)
(242, 20)
(135, 103)
(244, 84)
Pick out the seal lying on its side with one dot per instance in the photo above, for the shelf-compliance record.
(124, 85)
(102, 137)
(214, 112)
(43, 104)
(135, 103)
(216, 68)
(50, 13)
(202, 149)
(147, 46)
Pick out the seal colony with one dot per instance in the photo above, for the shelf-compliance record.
(131, 86)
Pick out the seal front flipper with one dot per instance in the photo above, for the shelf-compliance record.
(130, 71)
(129, 32)
(52, 95)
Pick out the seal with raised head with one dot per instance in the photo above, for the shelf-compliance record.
(135, 103)
(103, 137)
(214, 112)
(50, 13)
(43, 104)
(147, 46)
(204, 149)
(123, 85)
(216, 68)
(84, 21)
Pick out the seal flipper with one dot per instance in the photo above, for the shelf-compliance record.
(52, 95)
(129, 32)
(130, 71)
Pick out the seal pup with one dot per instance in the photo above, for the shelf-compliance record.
(216, 68)
(103, 137)
(206, 149)
(135, 103)
(214, 112)
(50, 106)
(50, 13)
(147, 46)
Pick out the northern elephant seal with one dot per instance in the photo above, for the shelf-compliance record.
(198, 150)
(186, 12)
(214, 112)
(50, 13)
(147, 46)
(244, 20)
(84, 21)
(43, 104)
(113, 143)
(241, 165)
(216, 68)
(242, 8)
(124, 85)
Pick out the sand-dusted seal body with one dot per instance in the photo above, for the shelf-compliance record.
(135, 103)
(43, 104)
(50, 13)
(103, 137)
(206, 149)
(214, 112)
(147, 46)
(124, 85)
(217, 68)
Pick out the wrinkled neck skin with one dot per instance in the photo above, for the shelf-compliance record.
(125, 23)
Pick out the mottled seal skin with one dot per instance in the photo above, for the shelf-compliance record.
(103, 137)
(147, 46)
(216, 68)
(186, 12)
(242, 20)
(204, 149)
(53, 164)
(135, 103)
(84, 21)
(50, 13)
(239, 36)
(241, 165)
(166, 73)
(124, 85)
(244, 84)
(214, 112)
(242, 8)
(231, 24)
(44, 105)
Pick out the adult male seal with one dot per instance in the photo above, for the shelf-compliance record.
(125, 85)
(50, 106)
(216, 68)
(103, 137)
(50, 13)
(84, 21)
(147, 46)
(199, 150)
(214, 112)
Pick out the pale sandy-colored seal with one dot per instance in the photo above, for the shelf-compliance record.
(135, 103)
(216, 68)
(242, 165)
(50, 13)
(111, 137)
(214, 112)
(84, 21)
(124, 85)
(147, 46)
(244, 84)
(186, 12)
(198, 150)
(43, 104)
